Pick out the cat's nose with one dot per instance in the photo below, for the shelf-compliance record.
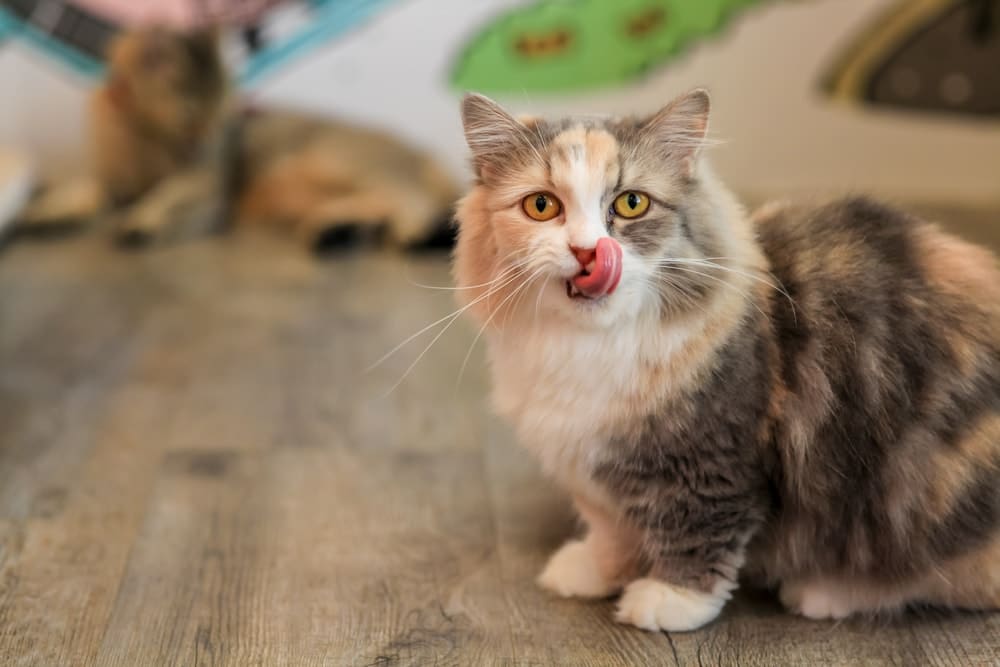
(584, 255)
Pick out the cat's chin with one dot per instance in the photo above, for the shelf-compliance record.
(574, 293)
(582, 300)
(580, 311)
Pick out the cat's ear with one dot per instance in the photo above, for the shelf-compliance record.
(493, 135)
(680, 127)
(203, 45)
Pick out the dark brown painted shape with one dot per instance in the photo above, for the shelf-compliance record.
(950, 65)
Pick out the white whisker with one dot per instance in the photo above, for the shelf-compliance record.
(725, 283)
(707, 263)
(493, 314)
(453, 288)
(454, 318)
(776, 285)
(538, 299)
(453, 315)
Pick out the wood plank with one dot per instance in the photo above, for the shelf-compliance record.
(71, 563)
(55, 377)
(295, 557)
(195, 556)
(68, 568)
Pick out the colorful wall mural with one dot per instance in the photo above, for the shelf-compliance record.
(559, 45)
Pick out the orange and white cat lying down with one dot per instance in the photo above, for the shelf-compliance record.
(174, 157)
(808, 398)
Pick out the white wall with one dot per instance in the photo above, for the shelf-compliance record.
(42, 108)
(781, 136)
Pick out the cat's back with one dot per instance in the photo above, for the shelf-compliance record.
(872, 261)
(343, 155)
(271, 134)
(884, 311)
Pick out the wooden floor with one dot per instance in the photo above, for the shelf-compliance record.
(195, 468)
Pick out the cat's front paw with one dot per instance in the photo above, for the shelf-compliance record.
(573, 571)
(656, 605)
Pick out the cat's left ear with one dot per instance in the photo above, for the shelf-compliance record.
(680, 127)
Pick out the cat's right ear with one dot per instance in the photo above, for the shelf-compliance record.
(203, 46)
(493, 135)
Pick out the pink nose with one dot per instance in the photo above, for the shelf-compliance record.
(584, 255)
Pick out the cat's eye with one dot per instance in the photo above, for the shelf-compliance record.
(541, 206)
(631, 204)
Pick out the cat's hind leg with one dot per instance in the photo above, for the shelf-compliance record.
(971, 582)
(416, 216)
(821, 599)
(340, 220)
(316, 198)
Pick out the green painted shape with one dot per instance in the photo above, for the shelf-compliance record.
(599, 48)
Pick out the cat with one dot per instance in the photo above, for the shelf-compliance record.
(174, 155)
(806, 398)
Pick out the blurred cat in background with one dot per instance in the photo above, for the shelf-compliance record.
(174, 156)
(808, 397)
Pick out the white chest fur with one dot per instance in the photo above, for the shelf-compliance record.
(568, 391)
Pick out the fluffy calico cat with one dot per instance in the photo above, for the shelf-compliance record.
(175, 156)
(808, 397)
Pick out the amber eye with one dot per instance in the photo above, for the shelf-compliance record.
(541, 206)
(631, 204)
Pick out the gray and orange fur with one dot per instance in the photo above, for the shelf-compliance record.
(807, 398)
(174, 156)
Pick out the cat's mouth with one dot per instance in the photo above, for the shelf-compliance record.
(573, 292)
(601, 276)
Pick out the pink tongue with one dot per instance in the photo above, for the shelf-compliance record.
(606, 273)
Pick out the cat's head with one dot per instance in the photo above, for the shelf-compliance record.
(594, 220)
(169, 83)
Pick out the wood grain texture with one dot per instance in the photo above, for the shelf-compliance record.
(196, 468)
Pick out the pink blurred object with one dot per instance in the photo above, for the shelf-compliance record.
(178, 13)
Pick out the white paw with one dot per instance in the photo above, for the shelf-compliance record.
(655, 605)
(814, 601)
(573, 572)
